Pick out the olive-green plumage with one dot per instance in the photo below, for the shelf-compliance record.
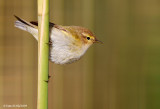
(67, 43)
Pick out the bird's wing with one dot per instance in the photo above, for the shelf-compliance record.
(36, 23)
(25, 22)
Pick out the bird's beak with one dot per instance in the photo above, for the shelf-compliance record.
(98, 41)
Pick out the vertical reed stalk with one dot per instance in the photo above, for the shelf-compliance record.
(43, 53)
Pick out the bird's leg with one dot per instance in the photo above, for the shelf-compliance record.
(49, 43)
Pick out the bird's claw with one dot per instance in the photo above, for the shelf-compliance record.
(49, 43)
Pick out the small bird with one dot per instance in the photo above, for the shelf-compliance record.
(67, 44)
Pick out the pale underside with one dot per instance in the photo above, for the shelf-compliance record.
(64, 48)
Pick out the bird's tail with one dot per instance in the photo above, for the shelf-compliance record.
(27, 26)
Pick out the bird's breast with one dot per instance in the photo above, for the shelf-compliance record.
(64, 48)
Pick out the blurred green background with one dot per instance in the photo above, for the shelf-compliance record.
(123, 73)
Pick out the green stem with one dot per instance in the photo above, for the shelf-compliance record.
(43, 53)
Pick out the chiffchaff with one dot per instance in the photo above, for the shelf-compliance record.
(67, 43)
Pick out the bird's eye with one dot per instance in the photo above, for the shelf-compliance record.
(88, 38)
